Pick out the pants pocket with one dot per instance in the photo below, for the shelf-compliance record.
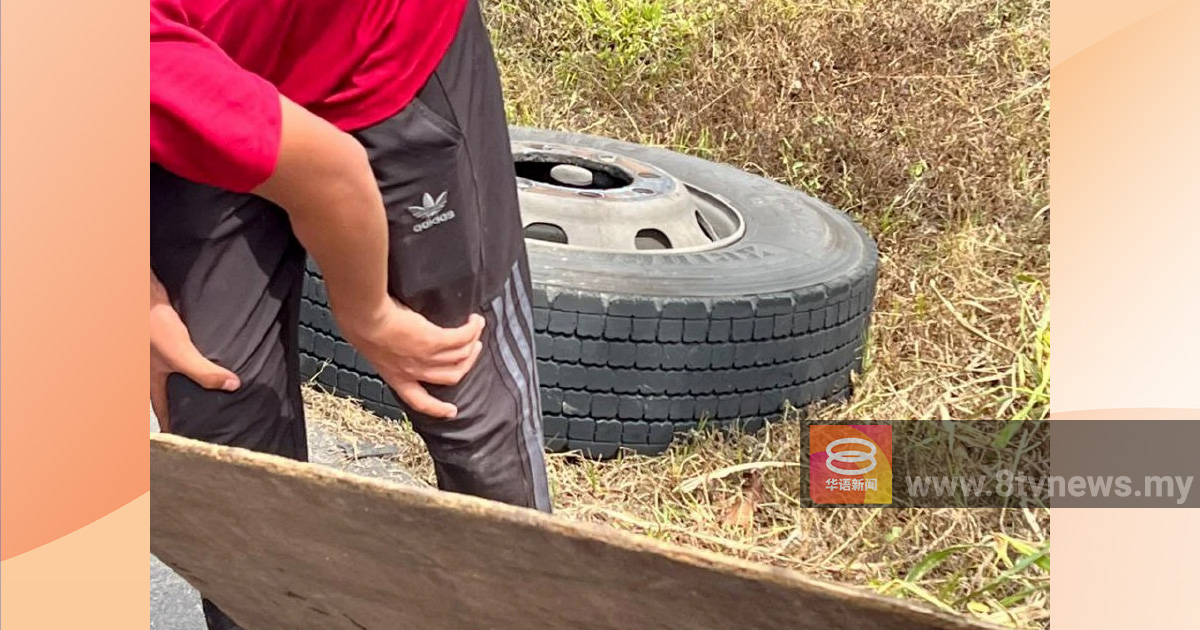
(422, 165)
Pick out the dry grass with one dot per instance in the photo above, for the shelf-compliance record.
(925, 119)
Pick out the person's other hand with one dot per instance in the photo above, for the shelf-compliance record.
(172, 350)
(407, 350)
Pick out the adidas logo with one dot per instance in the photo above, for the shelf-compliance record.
(429, 213)
(429, 206)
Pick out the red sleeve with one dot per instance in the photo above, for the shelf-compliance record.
(211, 121)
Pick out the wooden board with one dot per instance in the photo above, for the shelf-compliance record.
(284, 545)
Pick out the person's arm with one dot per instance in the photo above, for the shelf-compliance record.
(323, 180)
(215, 123)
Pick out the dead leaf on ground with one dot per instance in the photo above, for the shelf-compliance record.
(740, 514)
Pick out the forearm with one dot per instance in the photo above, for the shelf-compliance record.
(324, 181)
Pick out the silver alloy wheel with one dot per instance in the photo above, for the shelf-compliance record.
(580, 198)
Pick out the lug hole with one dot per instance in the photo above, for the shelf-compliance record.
(652, 239)
(546, 232)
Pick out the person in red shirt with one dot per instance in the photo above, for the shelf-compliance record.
(371, 136)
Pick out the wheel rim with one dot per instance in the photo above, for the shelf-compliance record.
(579, 198)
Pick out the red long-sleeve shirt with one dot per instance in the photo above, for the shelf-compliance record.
(217, 68)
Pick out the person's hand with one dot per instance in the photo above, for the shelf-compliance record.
(172, 350)
(407, 350)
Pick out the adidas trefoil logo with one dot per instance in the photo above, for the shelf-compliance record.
(430, 212)
(429, 206)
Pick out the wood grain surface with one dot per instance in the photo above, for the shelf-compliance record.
(281, 545)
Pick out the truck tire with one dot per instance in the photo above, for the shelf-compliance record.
(637, 347)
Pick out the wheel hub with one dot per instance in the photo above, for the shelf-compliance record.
(581, 198)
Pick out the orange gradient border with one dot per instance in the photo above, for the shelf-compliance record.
(1124, 226)
(74, 219)
(73, 253)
